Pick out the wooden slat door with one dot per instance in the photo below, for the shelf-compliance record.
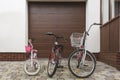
(59, 18)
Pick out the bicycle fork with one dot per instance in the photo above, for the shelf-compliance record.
(82, 61)
(31, 57)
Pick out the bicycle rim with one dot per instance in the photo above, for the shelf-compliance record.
(51, 68)
(81, 71)
(32, 68)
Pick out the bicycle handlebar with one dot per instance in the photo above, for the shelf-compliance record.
(56, 36)
(30, 43)
(97, 23)
(87, 32)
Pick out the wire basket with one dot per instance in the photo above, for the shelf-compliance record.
(76, 39)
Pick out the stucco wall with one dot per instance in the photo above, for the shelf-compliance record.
(14, 25)
(105, 11)
(92, 16)
(13, 22)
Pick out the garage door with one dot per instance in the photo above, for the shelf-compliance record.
(59, 18)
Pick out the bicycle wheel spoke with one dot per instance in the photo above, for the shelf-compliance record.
(80, 68)
(52, 67)
(32, 68)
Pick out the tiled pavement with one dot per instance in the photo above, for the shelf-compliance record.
(14, 71)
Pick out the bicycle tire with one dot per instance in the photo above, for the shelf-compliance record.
(89, 55)
(36, 66)
(54, 68)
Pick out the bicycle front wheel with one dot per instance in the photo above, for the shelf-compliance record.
(79, 69)
(53, 63)
(51, 68)
(32, 67)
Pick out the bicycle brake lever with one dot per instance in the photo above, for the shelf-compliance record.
(65, 39)
(32, 39)
(87, 33)
(97, 24)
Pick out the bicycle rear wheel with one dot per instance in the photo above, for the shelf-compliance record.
(32, 67)
(78, 69)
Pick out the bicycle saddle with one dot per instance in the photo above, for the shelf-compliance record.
(49, 33)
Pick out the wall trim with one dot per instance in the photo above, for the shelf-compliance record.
(101, 20)
(56, 0)
(111, 58)
(97, 55)
(10, 56)
(107, 23)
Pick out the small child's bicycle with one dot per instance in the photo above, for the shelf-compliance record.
(31, 66)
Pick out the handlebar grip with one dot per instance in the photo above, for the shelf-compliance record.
(97, 24)
(31, 40)
(65, 39)
(87, 33)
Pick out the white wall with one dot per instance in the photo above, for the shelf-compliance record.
(112, 8)
(13, 25)
(92, 16)
(105, 10)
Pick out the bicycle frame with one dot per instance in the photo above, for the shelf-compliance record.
(56, 46)
(83, 43)
(31, 58)
(33, 53)
(31, 66)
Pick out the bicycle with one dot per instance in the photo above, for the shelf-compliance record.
(54, 61)
(31, 66)
(81, 62)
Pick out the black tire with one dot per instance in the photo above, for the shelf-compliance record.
(50, 74)
(79, 70)
(54, 70)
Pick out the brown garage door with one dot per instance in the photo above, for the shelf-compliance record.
(60, 18)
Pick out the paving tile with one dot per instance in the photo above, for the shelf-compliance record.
(14, 71)
(79, 79)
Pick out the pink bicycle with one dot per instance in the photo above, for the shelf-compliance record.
(31, 66)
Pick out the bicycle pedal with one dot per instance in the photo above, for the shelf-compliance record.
(60, 66)
(77, 66)
(85, 65)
